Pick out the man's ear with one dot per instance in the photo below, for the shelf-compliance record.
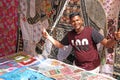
(69, 21)
(82, 20)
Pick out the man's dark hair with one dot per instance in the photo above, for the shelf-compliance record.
(74, 14)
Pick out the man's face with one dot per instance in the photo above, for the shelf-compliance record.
(76, 22)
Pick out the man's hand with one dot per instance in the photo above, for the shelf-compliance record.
(117, 34)
(45, 34)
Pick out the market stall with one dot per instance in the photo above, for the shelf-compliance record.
(22, 21)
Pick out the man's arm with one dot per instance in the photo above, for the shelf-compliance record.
(108, 42)
(55, 42)
(111, 42)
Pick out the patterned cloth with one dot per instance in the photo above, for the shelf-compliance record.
(111, 8)
(8, 26)
(34, 15)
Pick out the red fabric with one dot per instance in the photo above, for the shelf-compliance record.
(8, 26)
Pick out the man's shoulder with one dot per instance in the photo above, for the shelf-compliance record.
(88, 27)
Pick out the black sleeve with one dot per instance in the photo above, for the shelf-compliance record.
(64, 41)
(96, 36)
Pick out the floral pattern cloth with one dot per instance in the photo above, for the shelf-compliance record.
(8, 26)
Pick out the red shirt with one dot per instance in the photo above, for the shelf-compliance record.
(86, 53)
